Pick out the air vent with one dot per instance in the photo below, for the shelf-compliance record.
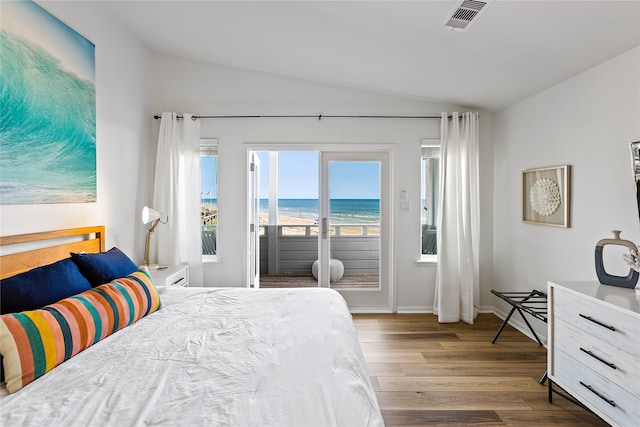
(465, 13)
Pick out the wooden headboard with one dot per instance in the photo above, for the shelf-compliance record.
(61, 243)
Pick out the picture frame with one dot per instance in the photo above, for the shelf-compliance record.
(546, 196)
(48, 110)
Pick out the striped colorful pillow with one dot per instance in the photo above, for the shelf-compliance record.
(34, 342)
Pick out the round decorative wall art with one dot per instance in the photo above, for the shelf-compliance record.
(545, 196)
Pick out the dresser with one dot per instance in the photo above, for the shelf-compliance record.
(173, 275)
(594, 348)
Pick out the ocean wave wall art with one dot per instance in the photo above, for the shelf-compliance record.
(47, 109)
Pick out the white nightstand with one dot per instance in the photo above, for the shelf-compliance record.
(172, 275)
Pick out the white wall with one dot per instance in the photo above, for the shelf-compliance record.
(588, 122)
(123, 132)
(187, 86)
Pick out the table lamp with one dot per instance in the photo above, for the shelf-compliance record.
(154, 217)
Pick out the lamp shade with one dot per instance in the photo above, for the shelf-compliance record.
(149, 215)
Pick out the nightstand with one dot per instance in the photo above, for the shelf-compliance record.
(172, 275)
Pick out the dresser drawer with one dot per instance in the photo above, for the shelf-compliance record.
(177, 279)
(618, 366)
(176, 275)
(597, 320)
(599, 392)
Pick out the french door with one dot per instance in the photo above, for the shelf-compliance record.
(353, 246)
(351, 233)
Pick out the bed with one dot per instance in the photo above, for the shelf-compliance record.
(204, 357)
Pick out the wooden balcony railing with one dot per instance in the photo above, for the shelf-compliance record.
(334, 230)
(292, 248)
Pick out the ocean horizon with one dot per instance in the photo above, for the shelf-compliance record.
(343, 211)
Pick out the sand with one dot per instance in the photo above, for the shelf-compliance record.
(297, 227)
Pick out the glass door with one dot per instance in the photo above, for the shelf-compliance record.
(354, 228)
(254, 222)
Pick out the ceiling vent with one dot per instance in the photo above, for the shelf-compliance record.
(465, 13)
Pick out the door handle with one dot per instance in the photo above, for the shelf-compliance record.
(324, 228)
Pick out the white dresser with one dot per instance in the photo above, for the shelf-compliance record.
(594, 348)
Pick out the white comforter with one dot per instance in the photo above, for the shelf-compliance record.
(213, 357)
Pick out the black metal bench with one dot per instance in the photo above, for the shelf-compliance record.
(533, 303)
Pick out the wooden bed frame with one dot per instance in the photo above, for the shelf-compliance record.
(62, 242)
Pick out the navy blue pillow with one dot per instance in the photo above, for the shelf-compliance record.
(41, 286)
(103, 267)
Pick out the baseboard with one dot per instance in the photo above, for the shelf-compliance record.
(409, 309)
(429, 309)
(368, 310)
(487, 309)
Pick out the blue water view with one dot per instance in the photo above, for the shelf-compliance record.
(343, 211)
(47, 128)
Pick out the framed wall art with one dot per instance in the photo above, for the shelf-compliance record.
(48, 109)
(546, 196)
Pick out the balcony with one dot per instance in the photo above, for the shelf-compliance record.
(287, 253)
(292, 249)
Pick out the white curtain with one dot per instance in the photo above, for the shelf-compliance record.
(457, 278)
(176, 192)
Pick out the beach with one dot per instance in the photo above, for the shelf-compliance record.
(298, 226)
(298, 217)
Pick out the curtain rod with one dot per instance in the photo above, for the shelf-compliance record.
(307, 116)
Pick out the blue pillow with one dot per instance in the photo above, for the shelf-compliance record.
(41, 286)
(103, 267)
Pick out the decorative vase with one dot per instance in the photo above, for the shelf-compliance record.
(628, 281)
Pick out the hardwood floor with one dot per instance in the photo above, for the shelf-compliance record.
(431, 374)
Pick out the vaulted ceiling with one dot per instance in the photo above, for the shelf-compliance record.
(513, 50)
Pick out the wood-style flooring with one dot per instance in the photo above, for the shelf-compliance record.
(430, 374)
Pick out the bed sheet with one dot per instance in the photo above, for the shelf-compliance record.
(213, 357)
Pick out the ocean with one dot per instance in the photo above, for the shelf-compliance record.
(343, 211)
(47, 128)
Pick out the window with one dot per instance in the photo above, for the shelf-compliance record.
(430, 187)
(209, 198)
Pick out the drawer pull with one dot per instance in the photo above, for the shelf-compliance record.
(177, 281)
(599, 359)
(592, 390)
(589, 318)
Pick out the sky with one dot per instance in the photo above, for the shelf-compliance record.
(34, 24)
(208, 178)
(298, 177)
